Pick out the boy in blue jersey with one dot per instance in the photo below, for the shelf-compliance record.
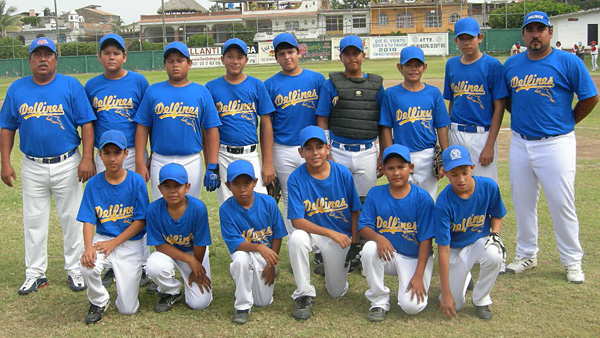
(180, 117)
(114, 203)
(413, 114)
(475, 88)
(177, 226)
(398, 222)
(468, 218)
(240, 100)
(295, 95)
(252, 228)
(324, 208)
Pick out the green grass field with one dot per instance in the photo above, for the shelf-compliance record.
(538, 303)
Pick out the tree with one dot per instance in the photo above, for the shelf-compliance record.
(339, 4)
(6, 17)
(244, 33)
(117, 24)
(516, 11)
(198, 40)
(12, 48)
(30, 20)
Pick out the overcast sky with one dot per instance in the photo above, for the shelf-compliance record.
(129, 10)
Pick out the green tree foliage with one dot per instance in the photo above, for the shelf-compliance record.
(199, 40)
(31, 20)
(339, 4)
(6, 17)
(516, 11)
(78, 48)
(242, 32)
(133, 45)
(12, 48)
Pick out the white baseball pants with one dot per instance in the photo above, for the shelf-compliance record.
(475, 142)
(594, 61)
(40, 183)
(462, 261)
(129, 162)
(126, 261)
(300, 243)
(362, 164)
(191, 163)
(551, 162)
(226, 158)
(161, 269)
(422, 175)
(286, 159)
(402, 266)
(250, 289)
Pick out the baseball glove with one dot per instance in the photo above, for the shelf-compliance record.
(495, 240)
(274, 189)
(437, 160)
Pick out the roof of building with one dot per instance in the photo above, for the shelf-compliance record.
(182, 6)
(587, 11)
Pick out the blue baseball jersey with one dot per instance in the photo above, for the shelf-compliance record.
(414, 116)
(473, 88)
(327, 100)
(46, 116)
(190, 230)
(328, 202)
(115, 103)
(541, 92)
(239, 106)
(460, 222)
(113, 207)
(176, 116)
(260, 224)
(405, 222)
(295, 99)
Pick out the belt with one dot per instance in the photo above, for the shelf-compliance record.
(352, 147)
(52, 160)
(238, 150)
(470, 129)
(535, 138)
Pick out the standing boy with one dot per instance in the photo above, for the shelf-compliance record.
(475, 87)
(240, 101)
(416, 114)
(468, 217)
(324, 208)
(252, 228)
(178, 114)
(295, 94)
(114, 203)
(177, 226)
(398, 222)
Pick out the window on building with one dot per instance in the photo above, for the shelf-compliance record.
(454, 17)
(334, 23)
(264, 27)
(359, 22)
(382, 20)
(291, 26)
(433, 19)
(404, 21)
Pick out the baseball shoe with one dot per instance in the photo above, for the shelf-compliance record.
(152, 288)
(144, 280)
(575, 273)
(76, 283)
(521, 264)
(108, 279)
(166, 302)
(32, 284)
(319, 266)
(240, 316)
(95, 313)
(303, 308)
(483, 312)
(376, 314)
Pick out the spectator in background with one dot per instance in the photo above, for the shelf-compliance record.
(558, 45)
(516, 48)
(580, 50)
(594, 54)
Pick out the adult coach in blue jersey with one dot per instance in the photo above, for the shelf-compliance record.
(47, 108)
(541, 84)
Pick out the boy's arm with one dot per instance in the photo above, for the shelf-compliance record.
(141, 139)
(7, 141)
(416, 282)
(106, 247)
(266, 149)
(199, 275)
(385, 249)
(447, 300)
(450, 105)
(442, 134)
(268, 274)
(267, 253)
(487, 154)
(87, 169)
(312, 228)
(88, 258)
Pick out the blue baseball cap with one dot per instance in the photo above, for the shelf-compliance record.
(240, 167)
(455, 156)
(115, 137)
(173, 171)
(178, 46)
(397, 149)
(536, 16)
(235, 42)
(467, 26)
(285, 38)
(351, 40)
(42, 42)
(114, 37)
(311, 132)
(411, 52)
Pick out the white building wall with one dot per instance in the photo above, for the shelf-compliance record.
(572, 32)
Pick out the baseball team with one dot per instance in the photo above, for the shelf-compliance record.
(326, 141)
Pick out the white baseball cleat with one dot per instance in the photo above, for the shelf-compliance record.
(575, 273)
(521, 264)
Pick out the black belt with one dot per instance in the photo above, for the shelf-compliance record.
(535, 138)
(239, 150)
(52, 160)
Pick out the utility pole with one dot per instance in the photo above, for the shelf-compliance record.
(57, 31)
(164, 29)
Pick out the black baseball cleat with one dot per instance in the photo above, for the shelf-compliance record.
(167, 301)
(95, 313)
(108, 279)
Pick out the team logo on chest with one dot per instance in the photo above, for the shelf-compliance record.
(473, 223)
(114, 213)
(237, 107)
(120, 107)
(472, 92)
(415, 114)
(323, 205)
(307, 99)
(393, 225)
(260, 237)
(540, 85)
(52, 112)
(187, 114)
